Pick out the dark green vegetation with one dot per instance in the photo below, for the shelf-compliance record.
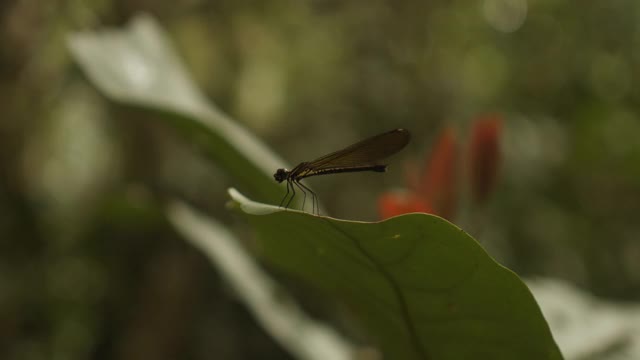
(89, 266)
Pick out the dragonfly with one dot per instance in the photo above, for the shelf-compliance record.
(361, 156)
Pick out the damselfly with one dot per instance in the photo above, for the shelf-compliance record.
(362, 156)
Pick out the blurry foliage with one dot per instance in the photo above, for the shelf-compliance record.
(88, 265)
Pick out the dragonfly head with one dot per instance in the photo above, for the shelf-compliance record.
(281, 175)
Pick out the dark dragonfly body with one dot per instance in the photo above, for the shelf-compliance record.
(362, 156)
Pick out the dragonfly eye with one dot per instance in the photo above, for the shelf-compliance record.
(280, 175)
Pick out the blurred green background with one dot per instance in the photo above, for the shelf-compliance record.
(89, 267)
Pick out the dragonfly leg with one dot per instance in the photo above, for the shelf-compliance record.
(293, 193)
(314, 198)
(302, 187)
(285, 196)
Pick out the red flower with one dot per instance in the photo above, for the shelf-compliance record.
(439, 183)
(484, 158)
(435, 191)
(401, 202)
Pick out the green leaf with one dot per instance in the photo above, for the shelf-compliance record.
(280, 316)
(138, 67)
(423, 288)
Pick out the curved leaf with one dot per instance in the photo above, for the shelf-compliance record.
(423, 288)
(303, 337)
(137, 66)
